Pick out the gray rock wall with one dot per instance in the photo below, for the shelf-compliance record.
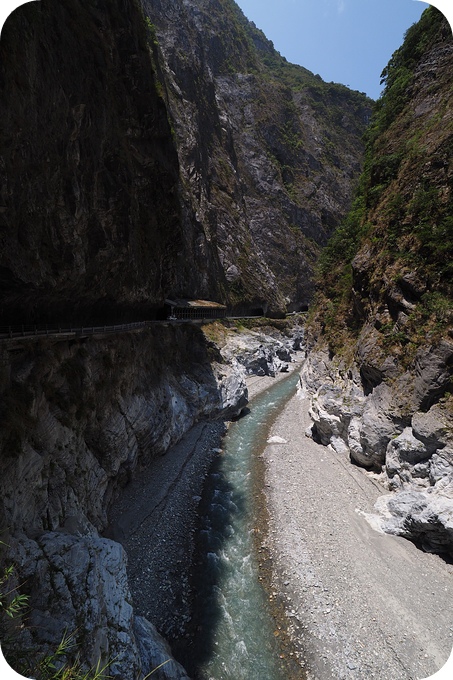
(268, 165)
(80, 415)
(80, 588)
(79, 419)
(401, 428)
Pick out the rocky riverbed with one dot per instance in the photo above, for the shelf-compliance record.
(155, 516)
(359, 603)
(155, 521)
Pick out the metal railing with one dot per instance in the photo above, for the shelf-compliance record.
(37, 330)
(29, 331)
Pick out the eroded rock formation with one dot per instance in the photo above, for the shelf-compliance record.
(410, 449)
(80, 418)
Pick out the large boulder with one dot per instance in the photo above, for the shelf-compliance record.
(423, 517)
(231, 388)
(77, 585)
(260, 353)
(377, 427)
(407, 460)
(330, 418)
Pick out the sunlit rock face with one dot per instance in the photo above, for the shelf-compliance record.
(410, 450)
(269, 154)
(381, 367)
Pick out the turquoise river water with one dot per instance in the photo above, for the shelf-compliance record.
(234, 631)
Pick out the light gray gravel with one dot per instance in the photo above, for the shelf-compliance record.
(359, 604)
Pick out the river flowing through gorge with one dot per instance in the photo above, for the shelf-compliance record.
(235, 634)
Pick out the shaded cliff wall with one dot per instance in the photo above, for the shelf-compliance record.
(89, 217)
(108, 204)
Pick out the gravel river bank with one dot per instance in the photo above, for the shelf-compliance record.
(359, 604)
(350, 603)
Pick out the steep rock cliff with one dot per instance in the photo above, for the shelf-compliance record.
(382, 385)
(269, 153)
(141, 158)
(78, 416)
(79, 419)
(90, 223)
(173, 155)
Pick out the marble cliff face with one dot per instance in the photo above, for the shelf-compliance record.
(380, 370)
(157, 151)
(164, 149)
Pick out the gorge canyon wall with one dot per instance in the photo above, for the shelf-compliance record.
(159, 149)
(149, 150)
(160, 161)
(380, 369)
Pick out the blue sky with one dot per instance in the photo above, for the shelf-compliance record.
(345, 41)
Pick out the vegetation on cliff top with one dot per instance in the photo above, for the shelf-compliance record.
(392, 257)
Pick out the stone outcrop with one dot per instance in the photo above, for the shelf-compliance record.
(82, 578)
(80, 419)
(395, 432)
(80, 415)
(381, 367)
(264, 352)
